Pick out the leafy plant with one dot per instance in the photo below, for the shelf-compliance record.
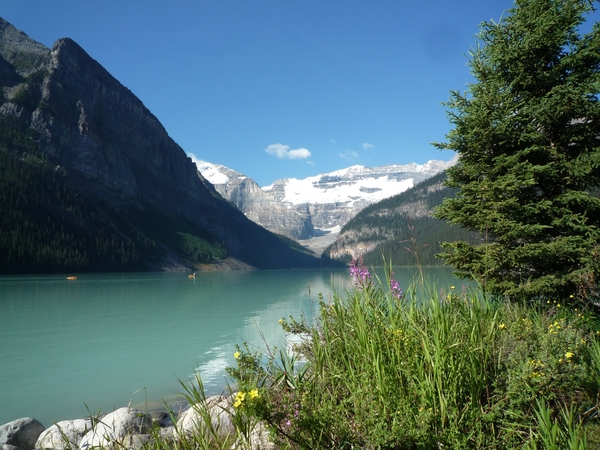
(431, 367)
(527, 135)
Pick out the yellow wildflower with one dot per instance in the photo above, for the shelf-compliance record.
(253, 394)
(452, 287)
(569, 355)
(236, 355)
(501, 326)
(239, 399)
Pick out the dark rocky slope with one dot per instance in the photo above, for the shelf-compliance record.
(112, 154)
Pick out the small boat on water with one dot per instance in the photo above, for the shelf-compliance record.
(192, 275)
(71, 277)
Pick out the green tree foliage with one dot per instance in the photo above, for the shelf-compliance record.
(528, 135)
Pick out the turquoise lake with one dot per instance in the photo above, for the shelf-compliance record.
(68, 348)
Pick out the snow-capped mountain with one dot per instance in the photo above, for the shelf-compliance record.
(259, 206)
(321, 204)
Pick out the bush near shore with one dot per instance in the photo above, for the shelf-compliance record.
(428, 369)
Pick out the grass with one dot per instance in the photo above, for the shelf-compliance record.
(431, 369)
(427, 369)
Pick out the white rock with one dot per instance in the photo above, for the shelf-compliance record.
(216, 410)
(64, 435)
(113, 426)
(22, 433)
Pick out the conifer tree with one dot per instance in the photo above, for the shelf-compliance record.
(527, 132)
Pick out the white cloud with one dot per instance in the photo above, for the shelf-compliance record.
(368, 146)
(349, 155)
(199, 163)
(284, 152)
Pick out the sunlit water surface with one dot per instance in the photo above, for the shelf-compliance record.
(68, 348)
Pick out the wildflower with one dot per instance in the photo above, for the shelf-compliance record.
(395, 289)
(253, 394)
(236, 355)
(501, 326)
(239, 399)
(569, 355)
(360, 273)
(452, 287)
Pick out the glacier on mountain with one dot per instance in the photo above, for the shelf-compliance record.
(319, 205)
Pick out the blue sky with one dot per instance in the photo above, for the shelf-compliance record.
(280, 88)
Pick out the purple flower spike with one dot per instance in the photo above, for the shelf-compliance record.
(360, 273)
(395, 289)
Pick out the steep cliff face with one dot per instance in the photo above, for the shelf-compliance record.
(259, 206)
(112, 148)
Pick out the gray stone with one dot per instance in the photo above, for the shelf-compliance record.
(161, 418)
(9, 447)
(114, 426)
(213, 415)
(167, 434)
(259, 439)
(22, 433)
(64, 435)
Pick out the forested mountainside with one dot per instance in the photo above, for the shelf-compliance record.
(400, 228)
(91, 181)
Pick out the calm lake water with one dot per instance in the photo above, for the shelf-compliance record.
(105, 339)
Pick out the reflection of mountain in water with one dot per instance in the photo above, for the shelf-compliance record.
(297, 297)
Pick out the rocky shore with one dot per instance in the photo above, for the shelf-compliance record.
(130, 429)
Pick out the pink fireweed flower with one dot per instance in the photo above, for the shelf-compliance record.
(395, 288)
(359, 273)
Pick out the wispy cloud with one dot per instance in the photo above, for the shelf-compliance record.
(349, 155)
(196, 160)
(284, 152)
(368, 146)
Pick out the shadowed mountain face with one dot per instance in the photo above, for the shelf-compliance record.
(114, 155)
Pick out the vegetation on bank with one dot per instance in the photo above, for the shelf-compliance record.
(432, 368)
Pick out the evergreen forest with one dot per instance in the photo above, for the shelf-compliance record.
(46, 226)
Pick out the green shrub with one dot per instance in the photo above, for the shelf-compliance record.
(431, 368)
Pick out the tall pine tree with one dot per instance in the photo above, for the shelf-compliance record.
(528, 136)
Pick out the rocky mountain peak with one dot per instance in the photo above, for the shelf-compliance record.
(324, 203)
(19, 52)
(112, 151)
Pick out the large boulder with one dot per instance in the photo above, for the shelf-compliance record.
(22, 433)
(65, 435)
(209, 418)
(114, 426)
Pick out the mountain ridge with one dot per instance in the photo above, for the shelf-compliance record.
(401, 228)
(319, 205)
(61, 112)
